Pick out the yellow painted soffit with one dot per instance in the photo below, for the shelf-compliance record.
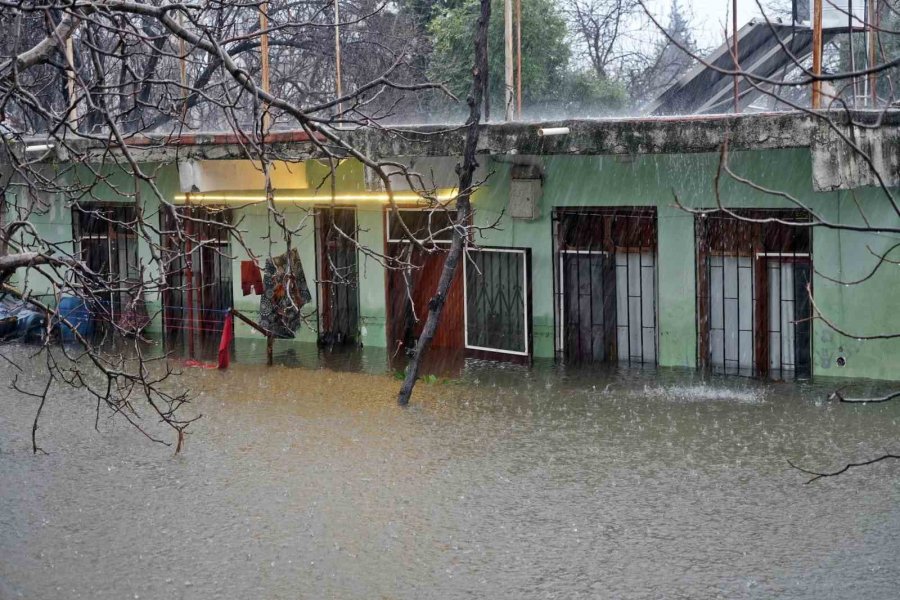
(405, 197)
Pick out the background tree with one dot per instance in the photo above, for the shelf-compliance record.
(651, 73)
(545, 56)
(600, 29)
(553, 84)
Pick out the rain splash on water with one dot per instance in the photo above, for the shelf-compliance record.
(504, 482)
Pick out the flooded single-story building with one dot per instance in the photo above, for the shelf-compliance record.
(590, 241)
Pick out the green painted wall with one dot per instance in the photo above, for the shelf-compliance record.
(656, 181)
(865, 309)
(606, 181)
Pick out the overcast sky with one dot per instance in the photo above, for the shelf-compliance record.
(710, 16)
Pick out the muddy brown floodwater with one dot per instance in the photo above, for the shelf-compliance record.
(508, 483)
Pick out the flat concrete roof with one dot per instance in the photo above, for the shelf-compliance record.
(586, 137)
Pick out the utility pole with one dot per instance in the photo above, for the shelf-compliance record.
(337, 55)
(508, 70)
(852, 56)
(817, 54)
(182, 63)
(264, 59)
(873, 45)
(518, 59)
(734, 51)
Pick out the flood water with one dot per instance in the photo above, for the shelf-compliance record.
(304, 482)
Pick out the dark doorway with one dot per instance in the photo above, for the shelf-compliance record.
(198, 266)
(605, 284)
(338, 276)
(106, 241)
(587, 316)
(753, 305)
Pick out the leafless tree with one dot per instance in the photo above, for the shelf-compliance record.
(602, 30)
(88, 86)
(621, 46)
(460, 239)
(651, 70)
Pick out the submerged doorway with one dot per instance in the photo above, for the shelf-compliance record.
(198, 293)
(338, 276)
(106, 240)
(753, 301)
(605, 284)
(411, 287)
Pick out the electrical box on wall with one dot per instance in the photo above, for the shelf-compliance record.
(525, 189)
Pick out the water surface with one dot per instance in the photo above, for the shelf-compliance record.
(304, 482)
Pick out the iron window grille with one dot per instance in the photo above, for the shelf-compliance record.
(106, 241)
(604, 284)
(496, 311)
(753, 284)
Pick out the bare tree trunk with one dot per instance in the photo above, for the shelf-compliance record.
(463, 205)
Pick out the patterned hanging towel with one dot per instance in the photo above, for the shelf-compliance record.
(285, 293)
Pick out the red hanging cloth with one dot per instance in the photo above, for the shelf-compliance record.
(225, 342)
(251, 279)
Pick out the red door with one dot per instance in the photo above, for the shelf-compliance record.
(409, 293)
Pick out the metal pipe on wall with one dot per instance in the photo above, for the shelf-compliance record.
(551, 131)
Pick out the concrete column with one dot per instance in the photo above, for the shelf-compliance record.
(677, 297)
(371, 278)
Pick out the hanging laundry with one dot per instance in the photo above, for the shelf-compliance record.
(225, 342)
(285, 293)
(251, 278)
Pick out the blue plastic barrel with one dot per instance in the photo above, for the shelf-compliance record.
(75, 311)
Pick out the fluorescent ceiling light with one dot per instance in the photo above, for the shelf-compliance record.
(39, 148)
